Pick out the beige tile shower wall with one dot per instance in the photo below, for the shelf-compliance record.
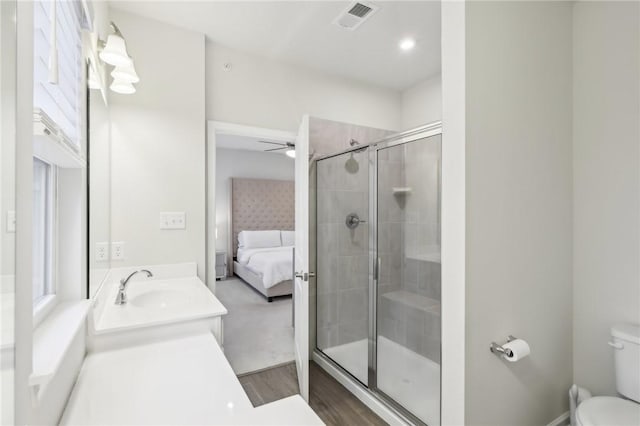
(391, 214)
(328, 137)
(408, 223)
(158, 139)
(422, 217)
(344, 254)
(342, 267)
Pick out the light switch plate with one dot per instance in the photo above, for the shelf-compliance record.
(11, 221)
(102, 252)
(173, 220)
(117, 250)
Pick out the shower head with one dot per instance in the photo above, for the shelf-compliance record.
(352, 165)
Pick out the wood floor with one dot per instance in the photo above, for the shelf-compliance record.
(333, 403)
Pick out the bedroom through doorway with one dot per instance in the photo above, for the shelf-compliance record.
(251, 202)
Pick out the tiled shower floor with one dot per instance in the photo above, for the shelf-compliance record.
(409, 378)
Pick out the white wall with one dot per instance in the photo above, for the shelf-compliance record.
(265, 93)
(421, 103)
(246, 164)
(7, 147)
(518, 219)
(453, 212)
(24, 197)
(158, 143)
(606, 178)
(7, 203)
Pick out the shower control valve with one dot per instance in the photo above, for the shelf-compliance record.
(353, 220)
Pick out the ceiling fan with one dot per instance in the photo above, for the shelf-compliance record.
(289, 146)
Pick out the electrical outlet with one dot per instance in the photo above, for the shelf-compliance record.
(102, 252)
(173, 220)
(11, 221)
(117, 250)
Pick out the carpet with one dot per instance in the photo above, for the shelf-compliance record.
(257, 334)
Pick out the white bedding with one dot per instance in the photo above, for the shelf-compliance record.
(274, 264)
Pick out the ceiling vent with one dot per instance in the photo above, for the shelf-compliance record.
(355, 15)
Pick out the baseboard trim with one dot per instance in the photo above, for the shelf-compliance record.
(561, 420)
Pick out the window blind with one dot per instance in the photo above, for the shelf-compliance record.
(60, 101)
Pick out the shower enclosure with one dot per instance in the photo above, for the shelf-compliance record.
(378, 269)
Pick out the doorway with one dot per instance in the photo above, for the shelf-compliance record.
(250, 238)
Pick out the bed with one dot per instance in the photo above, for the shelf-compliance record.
(264, 260)
(261, 234)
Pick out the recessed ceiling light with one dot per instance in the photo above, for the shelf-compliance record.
(407, 44)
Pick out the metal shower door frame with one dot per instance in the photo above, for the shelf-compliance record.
(422, 132)
(414, 135)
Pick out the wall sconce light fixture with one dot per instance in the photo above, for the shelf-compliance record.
(114, 52)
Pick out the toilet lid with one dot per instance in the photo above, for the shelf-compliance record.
(608, 410)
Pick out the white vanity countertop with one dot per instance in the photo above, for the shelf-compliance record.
(183, 381)
(157, 301)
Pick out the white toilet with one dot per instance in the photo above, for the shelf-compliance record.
(614, 411)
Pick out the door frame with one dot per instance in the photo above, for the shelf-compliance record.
(226, 128)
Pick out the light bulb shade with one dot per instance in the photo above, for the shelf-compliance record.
(291, 153)
(125, 73)
(115, 52)
(122, 87)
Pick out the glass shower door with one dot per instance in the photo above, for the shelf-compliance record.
(408, 277)
(342, 270)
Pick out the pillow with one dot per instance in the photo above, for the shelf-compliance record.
(258, 239)
(288, 238)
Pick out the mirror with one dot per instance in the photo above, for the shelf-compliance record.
(7, 205)
(99, 164)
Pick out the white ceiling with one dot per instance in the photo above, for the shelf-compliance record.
(247, 143)
(301, 33)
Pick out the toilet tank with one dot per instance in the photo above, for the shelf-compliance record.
(626, 344)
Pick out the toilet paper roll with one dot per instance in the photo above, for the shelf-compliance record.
(519, 349)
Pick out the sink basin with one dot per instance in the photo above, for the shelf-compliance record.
(153, 302)
(165, 298)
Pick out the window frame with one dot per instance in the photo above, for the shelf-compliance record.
(44, 303)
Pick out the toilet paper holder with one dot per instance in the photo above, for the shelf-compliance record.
(499, 350)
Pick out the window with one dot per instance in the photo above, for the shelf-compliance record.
(57, 92)
(43, 230)
(59, 126)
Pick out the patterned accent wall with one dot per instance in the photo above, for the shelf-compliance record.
(261, 204)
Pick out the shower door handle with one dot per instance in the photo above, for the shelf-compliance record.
(378, 264)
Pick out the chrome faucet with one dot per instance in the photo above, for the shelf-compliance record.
(121, 298)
